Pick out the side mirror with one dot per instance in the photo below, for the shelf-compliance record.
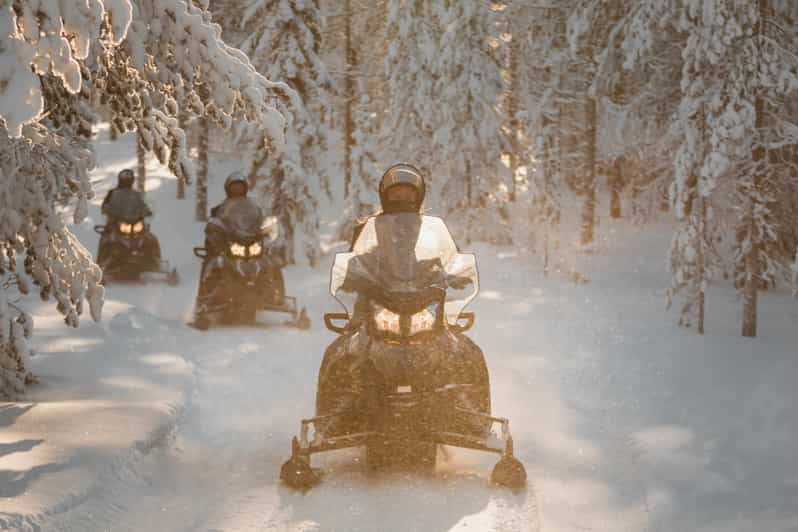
(200, 252)
(469, 322)
(330, 317)
(99, 229)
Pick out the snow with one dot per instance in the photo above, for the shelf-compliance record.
(624, 420)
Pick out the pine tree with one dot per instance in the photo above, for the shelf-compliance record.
(467, 130)
(413, 35)
(283, 39)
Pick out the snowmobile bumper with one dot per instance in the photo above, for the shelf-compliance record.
(298, 474)
(136, 268)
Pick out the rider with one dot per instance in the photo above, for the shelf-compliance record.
(123, 194)
(236, 188)
(121, 199)
(402, 189)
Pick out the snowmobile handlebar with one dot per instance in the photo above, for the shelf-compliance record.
(99, 229)
(469, 322)
(331, 316)
(200, 252)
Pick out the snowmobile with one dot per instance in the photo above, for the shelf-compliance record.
(128, 250)
(402, 378)
(245, 276)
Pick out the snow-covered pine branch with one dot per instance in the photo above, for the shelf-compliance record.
(55, 56)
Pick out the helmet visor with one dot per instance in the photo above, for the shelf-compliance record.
(402, 193)
(237, 189)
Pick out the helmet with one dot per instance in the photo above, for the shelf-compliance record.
(404, 175)
(125, 178)
(235, 177)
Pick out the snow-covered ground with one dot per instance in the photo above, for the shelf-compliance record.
(624, 421)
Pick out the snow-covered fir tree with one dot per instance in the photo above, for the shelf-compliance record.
(736, 69)
(283, 40)
(50, 52)
(413, 35)
(466, 129)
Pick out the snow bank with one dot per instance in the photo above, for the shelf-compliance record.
(109, 393)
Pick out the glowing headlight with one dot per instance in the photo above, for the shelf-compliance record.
(125, 228)
(387, 321)
(138, 227)
(254, 249)
(422, 321)
(238, 250)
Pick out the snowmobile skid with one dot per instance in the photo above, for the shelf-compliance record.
(164, 274)
(298, 474)
(220, 314)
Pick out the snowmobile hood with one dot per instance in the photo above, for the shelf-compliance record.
(405, 253)
(242, 218)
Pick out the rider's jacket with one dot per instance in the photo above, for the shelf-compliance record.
(125, 203)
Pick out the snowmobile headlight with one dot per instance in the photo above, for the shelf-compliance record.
(422, 321)
(255, 249)
(238, 250)
(125, 228)
(138, 227)
(387, 321)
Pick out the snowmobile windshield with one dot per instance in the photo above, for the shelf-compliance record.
(404, 254)
(127, 206)
(242, 218)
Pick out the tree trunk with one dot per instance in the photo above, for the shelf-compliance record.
(181, 183)
(616, 184)
(469, 183)
(752, 260)
(589, 205)
(511, 114)
(141, 168)
(201, 212)
(349, 96)
(702, 273)
(750, 289)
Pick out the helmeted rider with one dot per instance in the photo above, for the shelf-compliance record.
(402, 189)
(124, 194)
(236, 188)
(124, 199)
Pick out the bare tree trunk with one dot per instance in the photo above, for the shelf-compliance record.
(201, 211)
(616, 184)
(589, 205)
(751, 288)
(752, 260)
(141, 168)
(512, 51)
(469, 183)
(702, 263)
(349, 96)
(181, 183)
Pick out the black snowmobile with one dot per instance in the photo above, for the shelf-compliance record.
(128, 250)
(244, 275)
(402, 378)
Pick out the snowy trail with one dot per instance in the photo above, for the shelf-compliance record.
(624, 421)
(218, 470)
